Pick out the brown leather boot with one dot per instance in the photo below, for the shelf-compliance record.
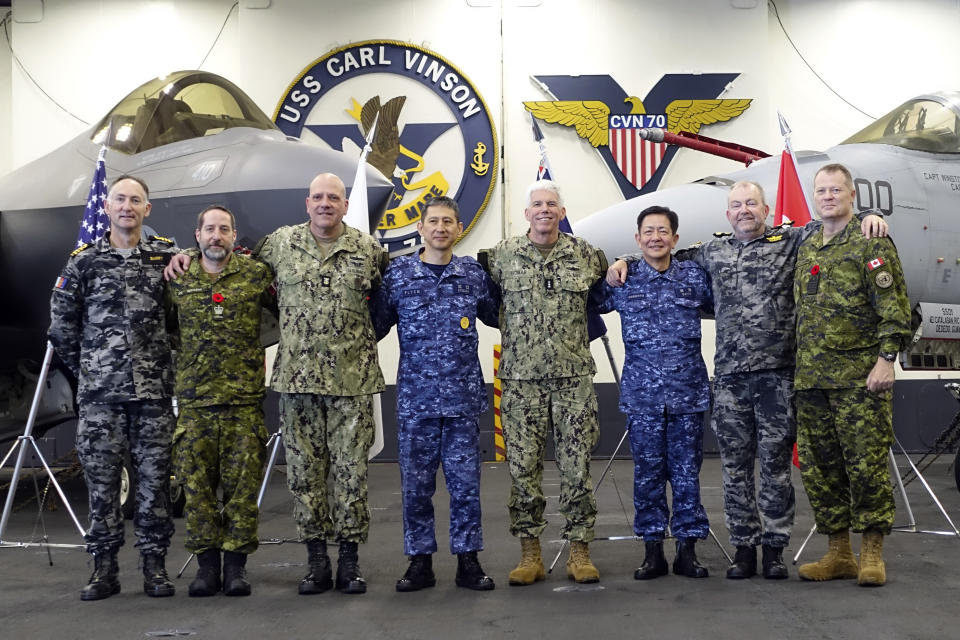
(530, 569)
(579, 567)
(873, 573)
(837, 564)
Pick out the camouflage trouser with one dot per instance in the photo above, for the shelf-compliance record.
(105, 432)
(844, 436)
(328, 435)
(531, 408)
(667, 448)
(753, 418)
(220, 447)
(424, 444)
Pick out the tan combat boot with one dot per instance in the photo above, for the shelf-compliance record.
(579, 567)
(838, 563)
(873, 573)
(530, 569)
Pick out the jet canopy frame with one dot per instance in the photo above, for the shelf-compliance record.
(179, 106)
(929, 123)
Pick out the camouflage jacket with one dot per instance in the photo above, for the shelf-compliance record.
(327, 345)
(439, 373)
(220, 360)
(753, 292)
(660, 322)
(852, 304)
(107, 322)
(543, 319)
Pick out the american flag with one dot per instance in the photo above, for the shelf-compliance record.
(95, 221)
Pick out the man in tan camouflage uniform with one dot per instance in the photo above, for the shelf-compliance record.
(107, 326)
(220, 435)
(327, 372)
(853, 317)
(547, 372)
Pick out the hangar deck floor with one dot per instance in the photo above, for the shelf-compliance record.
(919, 601)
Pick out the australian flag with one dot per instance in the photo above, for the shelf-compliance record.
(95, 221)
(596, 327)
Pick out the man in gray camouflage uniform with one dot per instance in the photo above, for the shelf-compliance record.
(107, 325)
(547, 372)
(753, 415)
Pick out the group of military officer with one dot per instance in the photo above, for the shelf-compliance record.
(113, 317)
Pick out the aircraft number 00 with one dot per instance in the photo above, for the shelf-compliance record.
(876, 195)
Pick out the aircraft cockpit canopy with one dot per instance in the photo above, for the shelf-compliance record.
(175, 107)
(921, 124)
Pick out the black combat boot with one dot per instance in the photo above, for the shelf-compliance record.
(235, 581)
(773, 566)
(685, 564)
(103, 581)
(349, 578)
(744, 563)
(320, 578)
(654, 562)
(156, 583)
(470, 574)
(419, 574)
(207, 582)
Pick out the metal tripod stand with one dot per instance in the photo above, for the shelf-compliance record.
(23, 442)
(596, 487)
(911, 526)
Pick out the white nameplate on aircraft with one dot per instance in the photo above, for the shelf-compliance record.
(940, 321)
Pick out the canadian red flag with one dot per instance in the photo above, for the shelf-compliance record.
(791, 201)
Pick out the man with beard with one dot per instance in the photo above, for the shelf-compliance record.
(220, 435)
(753, 417)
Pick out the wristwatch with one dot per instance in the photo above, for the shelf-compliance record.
(889, 356)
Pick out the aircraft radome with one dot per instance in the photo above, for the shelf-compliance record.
(196, 139)
(906, 164)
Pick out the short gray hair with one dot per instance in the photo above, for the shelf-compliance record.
(544, 185)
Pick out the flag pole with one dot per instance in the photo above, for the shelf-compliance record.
(786, 132)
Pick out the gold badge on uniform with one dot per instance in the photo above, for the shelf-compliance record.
(464, 322)
(884, 279)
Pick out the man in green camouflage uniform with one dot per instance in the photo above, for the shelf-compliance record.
(327, 372)
(853, 317)
(547, 373)
(220, 435)
(107, 326)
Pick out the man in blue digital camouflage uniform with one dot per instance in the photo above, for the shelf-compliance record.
(107, 324)
(435, 298)
(664, 391)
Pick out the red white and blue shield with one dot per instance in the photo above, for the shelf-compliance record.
(637, 158)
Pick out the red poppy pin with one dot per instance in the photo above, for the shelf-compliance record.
(217, 297)
(815, 270)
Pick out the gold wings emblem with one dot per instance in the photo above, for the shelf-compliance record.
(591, 117)
(690, 115)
